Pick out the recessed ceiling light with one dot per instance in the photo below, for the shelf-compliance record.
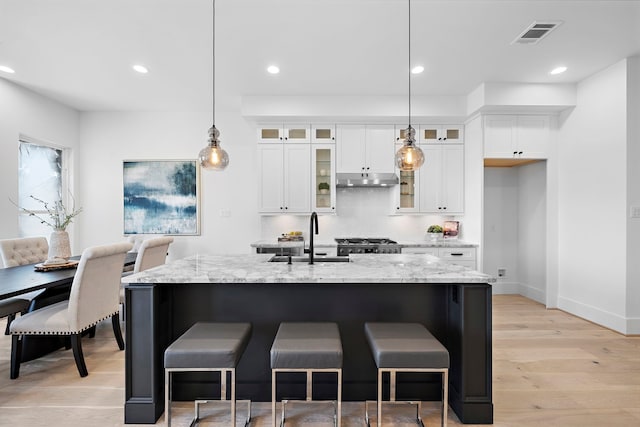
(6, 69)
(417, 69)
(141, 69)
(272, 69)
(558, 70)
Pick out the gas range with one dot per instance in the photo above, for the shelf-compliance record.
(366, 245)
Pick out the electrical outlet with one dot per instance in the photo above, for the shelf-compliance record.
(502, 272)
(635, 211)
(224, 213)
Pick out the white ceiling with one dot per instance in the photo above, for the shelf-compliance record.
(80, 52)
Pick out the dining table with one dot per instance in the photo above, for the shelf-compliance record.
(55, 286)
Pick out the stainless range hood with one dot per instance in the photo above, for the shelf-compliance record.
(346, 180)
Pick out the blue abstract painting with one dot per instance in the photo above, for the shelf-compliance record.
(161, 197)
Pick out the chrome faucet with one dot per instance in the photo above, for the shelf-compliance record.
(313, 220)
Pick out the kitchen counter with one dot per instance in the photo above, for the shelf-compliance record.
(371, 268)
(453, 302)
(446, 243)
(276, 244)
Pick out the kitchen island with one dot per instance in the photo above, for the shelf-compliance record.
(454, 303)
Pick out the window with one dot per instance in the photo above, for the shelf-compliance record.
(41, 174)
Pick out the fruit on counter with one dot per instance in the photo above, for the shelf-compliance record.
(434, 229)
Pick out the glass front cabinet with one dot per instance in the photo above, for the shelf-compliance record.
(323, 165)
(407, 192)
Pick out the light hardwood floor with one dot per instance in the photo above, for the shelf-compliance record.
(549, 368)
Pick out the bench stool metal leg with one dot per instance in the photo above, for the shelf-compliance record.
(198, 402)
(337, 404)
(208, 347)
(392, 395)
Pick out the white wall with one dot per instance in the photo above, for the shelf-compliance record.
(109, 138)
(500, 238)
(592, 214)
(532, 225)
(361, 212)
(633, 195)
(473, 184)
(23, 112)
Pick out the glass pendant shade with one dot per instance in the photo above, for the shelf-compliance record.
(409, 157)
(212, 157)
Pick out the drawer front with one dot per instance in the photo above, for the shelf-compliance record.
(450, 254)
(428, 251)
(464, 263)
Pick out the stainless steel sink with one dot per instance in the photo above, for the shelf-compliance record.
(316, 259)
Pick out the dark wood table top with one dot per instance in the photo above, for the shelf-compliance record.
(23, 279)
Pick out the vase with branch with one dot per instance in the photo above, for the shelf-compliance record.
(58, 217)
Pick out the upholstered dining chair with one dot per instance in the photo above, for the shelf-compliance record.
(93, 298)
(152, 252)
(15, 252)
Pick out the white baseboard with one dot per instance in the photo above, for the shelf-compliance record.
(503, 288)
(633, 326)
(533, 293)
(601, 317)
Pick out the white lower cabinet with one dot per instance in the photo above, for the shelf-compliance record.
(285, 178)
(458, 256)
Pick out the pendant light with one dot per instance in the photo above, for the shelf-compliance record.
(409, 157)
(213, 157)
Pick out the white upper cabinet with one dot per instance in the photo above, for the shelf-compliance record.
(271, 178)
(408, 191)
(440, 134)
(433, 134)
(519, 137)
(365, 149)
(533, 135)
(323, 178)
(380, 152)
(442, 179)
(297, 178)
(285, 178)
(323, 134)
(284, 133)
(351, 145)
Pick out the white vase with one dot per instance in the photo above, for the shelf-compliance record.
(59, 246)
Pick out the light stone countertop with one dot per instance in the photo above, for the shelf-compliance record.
(255, 268)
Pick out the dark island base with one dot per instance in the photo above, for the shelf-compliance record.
(458, 315)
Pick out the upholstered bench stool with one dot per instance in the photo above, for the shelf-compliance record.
(307, 347)
(208, 347)
(406, 347)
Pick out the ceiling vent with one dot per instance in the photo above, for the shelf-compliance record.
(536, 32)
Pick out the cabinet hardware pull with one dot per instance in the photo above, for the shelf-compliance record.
(456, 254)
(520, 152)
